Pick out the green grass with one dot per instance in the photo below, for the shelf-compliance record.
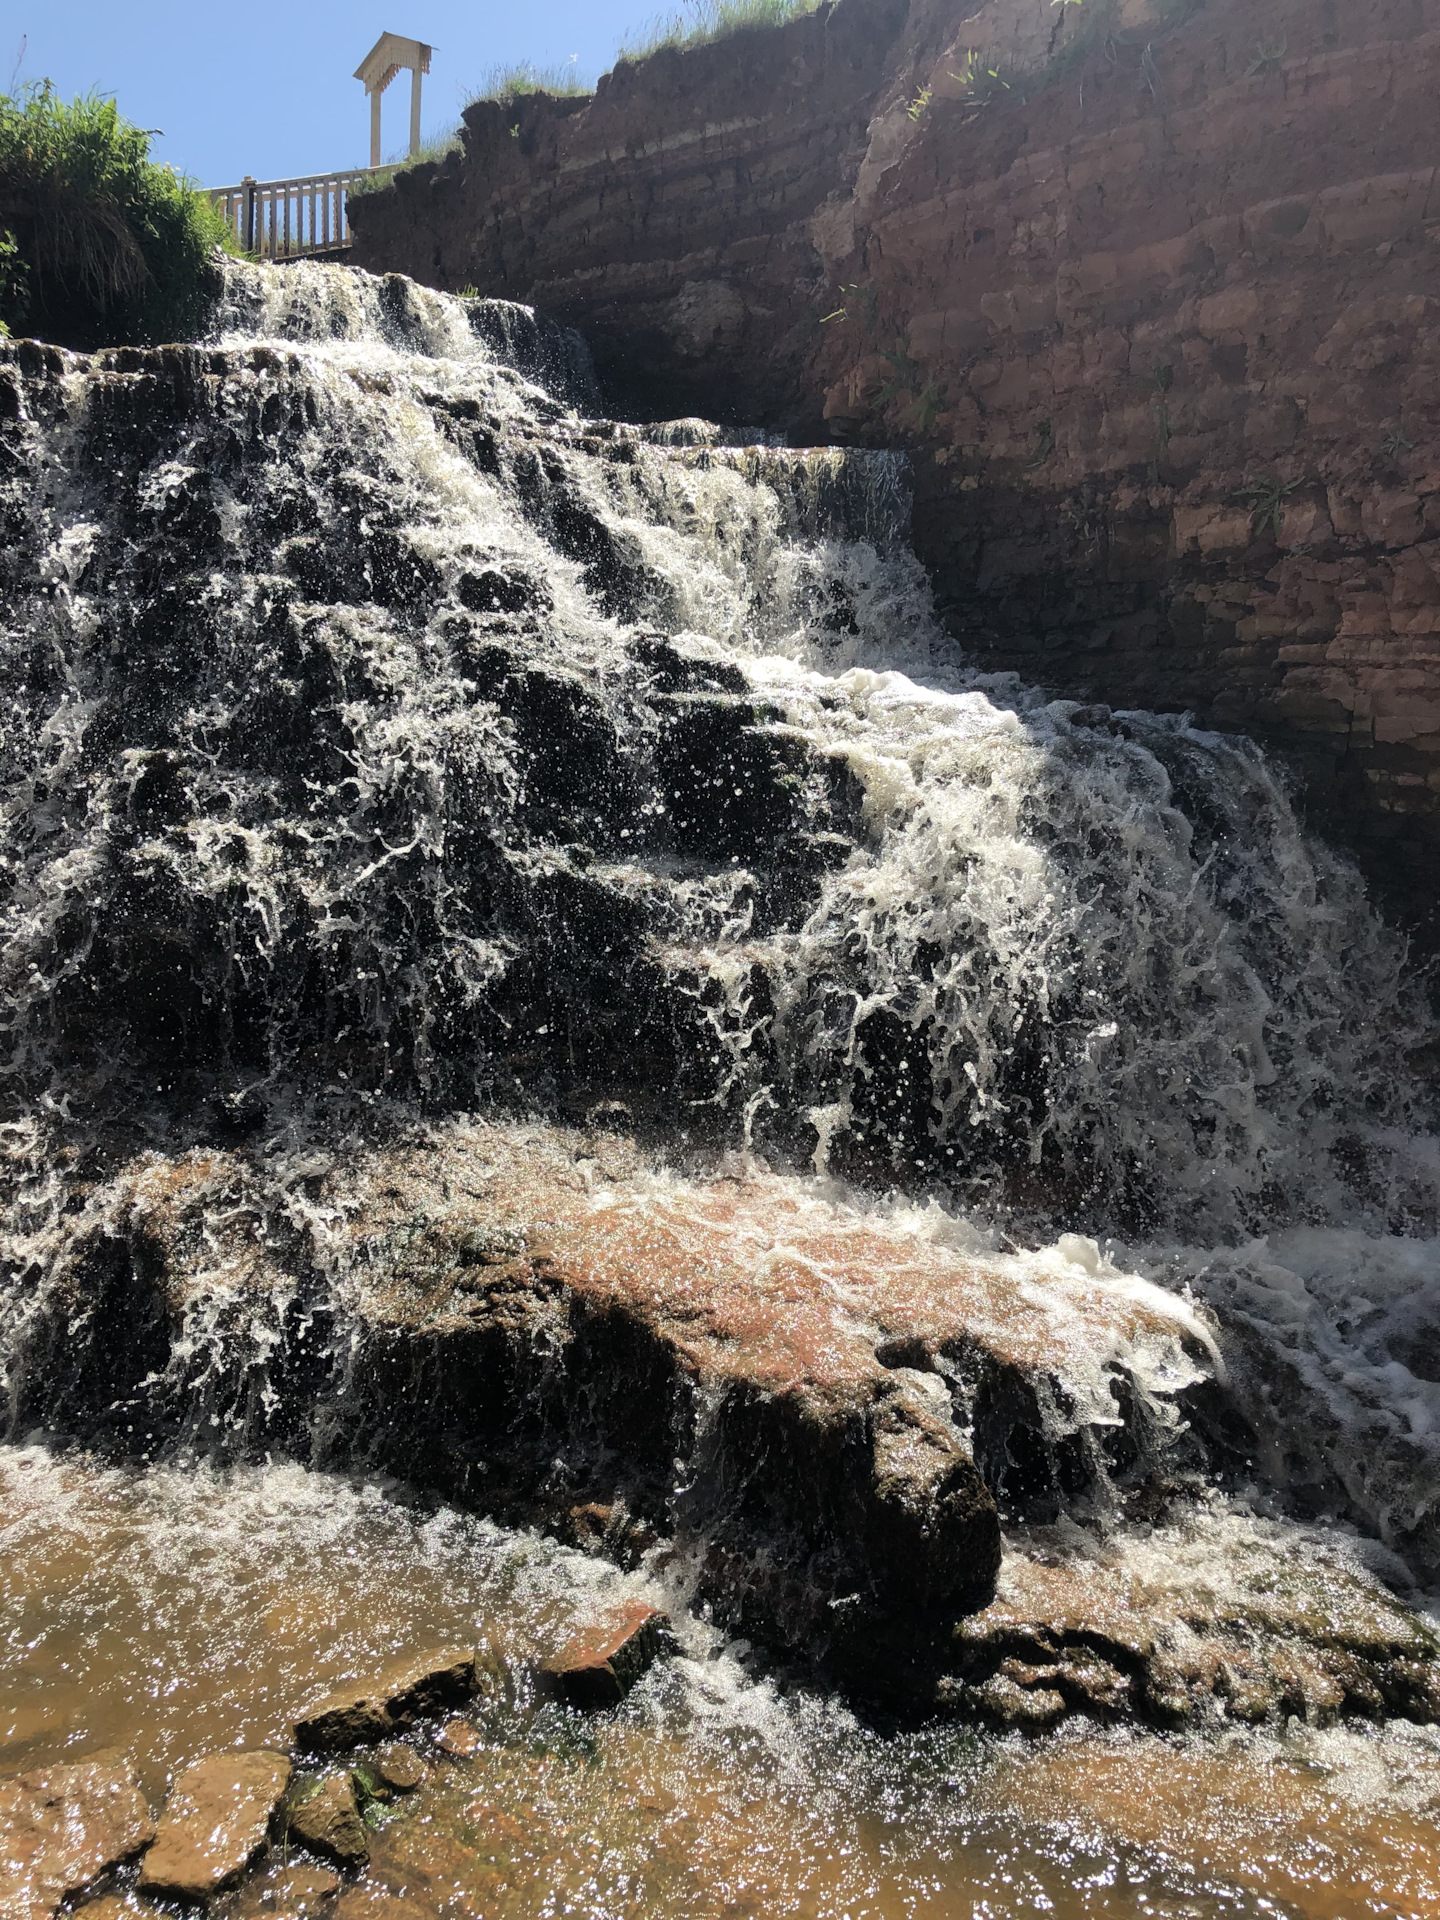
(435, 148)
(699, 21)
(109, 247)
(507, 84)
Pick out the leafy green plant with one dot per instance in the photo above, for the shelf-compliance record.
(917, 107)
(109, 247)
(1396, 443)
(699, 21)
(14, 287)
(1267, 496)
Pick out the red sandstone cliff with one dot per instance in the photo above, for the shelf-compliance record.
(1152, 286)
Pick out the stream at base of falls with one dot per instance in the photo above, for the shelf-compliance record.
(412, 785)
(173, 1611)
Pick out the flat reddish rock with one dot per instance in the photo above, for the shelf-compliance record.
(388, 1701)
(62, 1827)
(601, 1663)
(216, 1820)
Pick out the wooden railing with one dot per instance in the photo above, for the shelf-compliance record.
(286, 219)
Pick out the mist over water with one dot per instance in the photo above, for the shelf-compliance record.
(386, 740)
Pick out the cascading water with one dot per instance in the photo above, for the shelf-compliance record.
(387, 742)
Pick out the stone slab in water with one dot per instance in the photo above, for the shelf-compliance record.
(62, 1828)
(401, 1693)
(328, 1821)
(601, 1663)
(216, 1821)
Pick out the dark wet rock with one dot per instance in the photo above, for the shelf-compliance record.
(327, 1819)
(217, 1819)
(396, 1697)
(295, 1892)
(459, 1739)
(599, 1665)
(61, 1828)
(397, 1767)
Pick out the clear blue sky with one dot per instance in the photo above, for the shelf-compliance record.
(264, 86)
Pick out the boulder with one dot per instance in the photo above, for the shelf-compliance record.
(62, 1827)
(328, 1821)
(598, 1666)
(299, 1892)
(389, 1701)
(217, 1819)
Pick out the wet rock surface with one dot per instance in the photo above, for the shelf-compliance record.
(385, 1703)
(217, 1819)
(1135, 1629)
(326, 1817)
(399, 1768)
(62, 1828)
(294, 1892)
(598, 1667)
(459, 1740)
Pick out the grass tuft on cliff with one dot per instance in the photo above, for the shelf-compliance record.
(507, 84)
(698, 22)
(101, 246)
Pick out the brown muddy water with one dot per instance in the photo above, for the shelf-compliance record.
(171, 1612)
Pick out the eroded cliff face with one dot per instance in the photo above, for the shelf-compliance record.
(1150, 287)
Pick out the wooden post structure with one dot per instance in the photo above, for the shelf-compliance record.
(391, 53)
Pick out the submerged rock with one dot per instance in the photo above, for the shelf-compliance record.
(398, 1767)
(61, 1828)
(459, 1739)
(296, 1892)
(403, 1692)
(598, 1666)
(217, 1819)
(327, 1819)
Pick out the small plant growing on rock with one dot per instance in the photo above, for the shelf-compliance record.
(1394, 444)
(1267, 496)
(918, 106)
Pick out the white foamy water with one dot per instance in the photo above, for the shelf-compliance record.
(279, 829)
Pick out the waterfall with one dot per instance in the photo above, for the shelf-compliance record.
(383, 737)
